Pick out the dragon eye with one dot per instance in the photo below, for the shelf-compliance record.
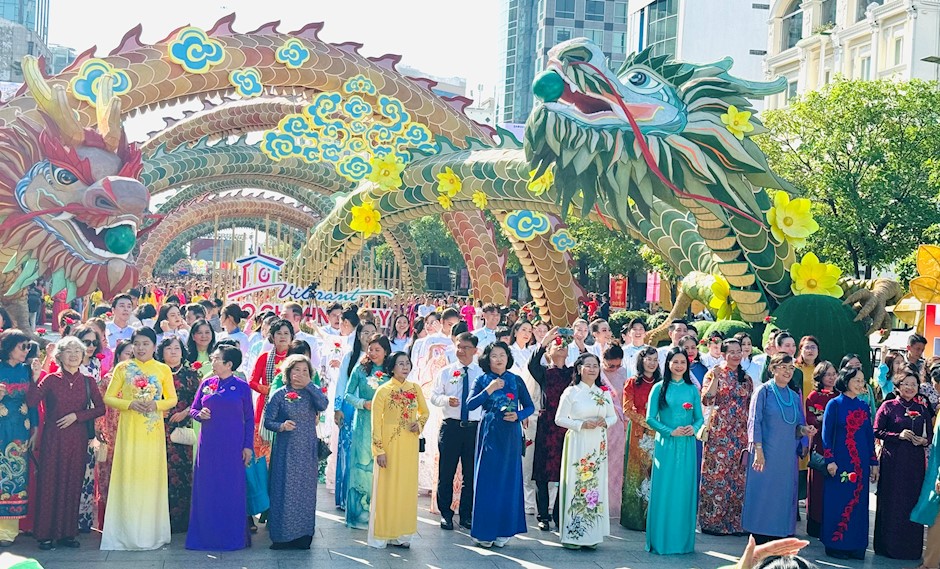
(64, 176)
(644, 83)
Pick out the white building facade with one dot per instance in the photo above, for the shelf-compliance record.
(702, 31)
(811, 42)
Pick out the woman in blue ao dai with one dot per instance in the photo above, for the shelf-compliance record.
(849, 449)
(777, 434)
(674, 411)
(498, 508)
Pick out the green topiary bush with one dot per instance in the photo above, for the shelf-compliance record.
(830, 321)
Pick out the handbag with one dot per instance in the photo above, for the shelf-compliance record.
(183, 436)
(817, 462)
(702, 433)
(256, 475)
(89, 404)
(323, 449)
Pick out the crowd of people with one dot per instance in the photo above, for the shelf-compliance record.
(144, 417)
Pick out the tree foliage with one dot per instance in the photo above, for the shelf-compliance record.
(865, 153)
(435, 244)
(601, 251)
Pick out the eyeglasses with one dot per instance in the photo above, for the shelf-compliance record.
(24, 346)
(90, 343)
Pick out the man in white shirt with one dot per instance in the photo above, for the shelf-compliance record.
(634, 340)
(457, 441)
(120, 327)
(334, 315)
(677, 330)
(426, 308)
(487, 334)
(294, 313)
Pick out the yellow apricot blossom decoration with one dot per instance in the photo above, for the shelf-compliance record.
(445, 201)
(721, 301)
(737, 122)
(448, 183)
(540, 185)
(365, 219)
(791, 220)
(479, 199)
(810, 276)
(386, 171)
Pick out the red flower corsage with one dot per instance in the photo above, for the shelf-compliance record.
(323, 389)
(197, 365)
(510, 396)
(108, 314)
(605, 388)
(379, 375)
(292, 396)
(912, 414)
(40, 331)
(687, 406)
(99, 357)
(69, 320)
(457, 373)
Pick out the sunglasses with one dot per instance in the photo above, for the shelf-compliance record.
(90, 343)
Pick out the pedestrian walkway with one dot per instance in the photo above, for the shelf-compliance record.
(337, 547)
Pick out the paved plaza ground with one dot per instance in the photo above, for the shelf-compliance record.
(335, 546)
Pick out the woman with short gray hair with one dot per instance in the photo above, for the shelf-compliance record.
(72, 402)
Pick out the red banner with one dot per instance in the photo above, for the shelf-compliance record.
(618, 291)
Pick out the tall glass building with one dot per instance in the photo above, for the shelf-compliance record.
(31, 14)
(529, 28)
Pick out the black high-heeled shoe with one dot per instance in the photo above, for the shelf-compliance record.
(46, 545)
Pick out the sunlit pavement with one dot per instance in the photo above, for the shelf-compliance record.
(337, 546)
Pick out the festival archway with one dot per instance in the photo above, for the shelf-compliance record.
(176, 249)
(251, 64)
(210, 208)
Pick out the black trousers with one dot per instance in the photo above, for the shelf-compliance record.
(541, 502)
(456, 444)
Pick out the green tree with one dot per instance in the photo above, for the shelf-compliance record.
(435, 243)
(863, 152)
(601, 252)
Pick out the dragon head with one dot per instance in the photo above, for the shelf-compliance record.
(69, 196)
(658, 129)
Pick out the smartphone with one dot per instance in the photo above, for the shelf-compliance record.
(566, 332)
(33, 352)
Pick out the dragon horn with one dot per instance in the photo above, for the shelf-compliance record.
(108, 110)
(53, 102)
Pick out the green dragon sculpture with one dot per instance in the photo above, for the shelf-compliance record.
(662, 148)
(660, 131)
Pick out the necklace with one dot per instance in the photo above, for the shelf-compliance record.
(784, 406)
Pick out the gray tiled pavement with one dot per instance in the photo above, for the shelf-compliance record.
(335, 546)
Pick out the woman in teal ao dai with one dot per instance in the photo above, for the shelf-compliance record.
(363, 383)
(674, 411)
